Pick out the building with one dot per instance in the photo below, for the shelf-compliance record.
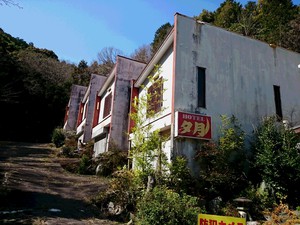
(86, 109)
(71, 115)
(209, 72)
(112, 106)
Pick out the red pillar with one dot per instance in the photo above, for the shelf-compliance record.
(134, 94)
(97, 111)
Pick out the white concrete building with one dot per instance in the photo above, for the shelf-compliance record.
(209, 72)
(112, 106)
(86, 108)
(72, 109)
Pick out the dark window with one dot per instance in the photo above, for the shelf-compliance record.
(201, 88)
(277, 99)
(155, 97)
(107, 106)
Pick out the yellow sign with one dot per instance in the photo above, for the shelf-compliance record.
(205, 219)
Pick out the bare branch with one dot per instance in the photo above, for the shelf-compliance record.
(9, 3)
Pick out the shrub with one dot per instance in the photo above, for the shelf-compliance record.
(180, 178)
(276, 160)
(84, 165)
(222, 164)
(58, 137)
(281, 214)
(110, 161)
(122, 192)
(164, 206)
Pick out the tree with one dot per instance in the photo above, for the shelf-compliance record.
(274, 17)
(248, 21)
(107, 59)
(81, 74)
(146, 142)
(206, 16)
(222, 163)
(42, 71)
(265, 20)
(276, 160)
(160, 36)
(291, 39)
(142, 54)
(227, 14)
(9, 3)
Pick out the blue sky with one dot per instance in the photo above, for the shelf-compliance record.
(79, 29)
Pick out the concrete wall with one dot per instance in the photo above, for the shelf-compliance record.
(162, 119)
(127, 69)
(89, 100)
(166, 70)
(240, 74)
(113, 128)
(76, 95)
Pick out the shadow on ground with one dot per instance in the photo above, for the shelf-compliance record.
(34, 187)
(18, 205)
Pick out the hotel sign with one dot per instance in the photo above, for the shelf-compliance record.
(192, 125)
(206, 219)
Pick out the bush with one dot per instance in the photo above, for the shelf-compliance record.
(58, 137)
(110, 161)
(122, 192)
(180, 178)
(164, 206)
(281, 214)
(276, 160)
(84, 166)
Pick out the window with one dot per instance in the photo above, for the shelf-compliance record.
(155, 96)
(107, 105)
(277, 99)
(201, 88)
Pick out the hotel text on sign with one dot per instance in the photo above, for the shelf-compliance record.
(193, 125)
(205, 219)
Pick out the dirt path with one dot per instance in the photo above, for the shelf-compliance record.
(39, 191)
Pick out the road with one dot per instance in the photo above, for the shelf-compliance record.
(35, 189)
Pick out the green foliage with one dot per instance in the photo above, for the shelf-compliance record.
(274, 16)
(291, 39)
(84, 165)
(270, 21)
(147, 143)
(111, 161)
(159, 37)
(123, 191)
(179, 178)
(58, 137)
(222, 164)
(276, 159)
(34, 86)
(81, 74)
(206, 16)
(164, 206)
(227, 14)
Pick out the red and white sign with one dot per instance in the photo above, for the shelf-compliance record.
(192, 125)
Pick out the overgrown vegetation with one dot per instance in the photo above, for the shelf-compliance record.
(227, 171)
(111, 161)
(58, 137)
(222, 165)
(276, 161)
(275, 22)
(165, 206)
